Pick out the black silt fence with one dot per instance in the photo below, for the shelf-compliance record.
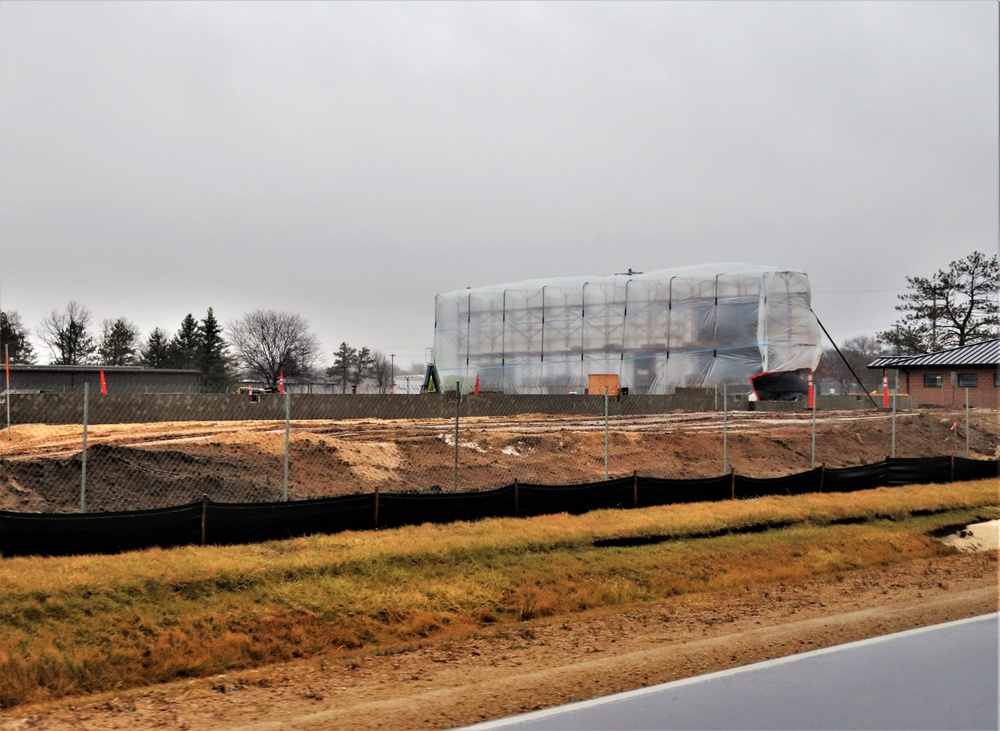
(207, 522)
(851, 479)
(31, 534)
(919, 470)
(575, 499)
(229, 523)
(975, 469)
(747, 487)
(657, 491)
(398, 509)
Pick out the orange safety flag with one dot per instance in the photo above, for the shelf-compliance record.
(885, 390)
(281, 382)
(477, 384)
(104, 385)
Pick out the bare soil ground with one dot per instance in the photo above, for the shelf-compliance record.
(461, 680)
(135, 466)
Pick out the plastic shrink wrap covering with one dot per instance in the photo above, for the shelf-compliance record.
(700, 326)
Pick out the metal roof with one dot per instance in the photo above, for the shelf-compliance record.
(94, 368)
(985, 353)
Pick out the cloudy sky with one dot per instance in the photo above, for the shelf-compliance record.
(348, 161)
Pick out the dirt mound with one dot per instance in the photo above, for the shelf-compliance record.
(138, 466)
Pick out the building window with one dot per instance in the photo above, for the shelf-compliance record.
(968, 380)
(996, 379)
(932, 380)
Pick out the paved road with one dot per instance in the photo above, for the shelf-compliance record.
(939, 677)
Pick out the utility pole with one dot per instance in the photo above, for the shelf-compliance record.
(392, 373)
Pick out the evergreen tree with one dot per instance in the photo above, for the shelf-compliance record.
(119, 340)
(14, 339)
(361, 368)
(185, 346)
(952, 308)
(156, 353)
(214, 361)
(343, 361)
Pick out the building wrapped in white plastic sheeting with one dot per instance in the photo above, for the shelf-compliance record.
(705, 326)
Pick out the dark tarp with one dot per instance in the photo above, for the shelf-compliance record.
(850, 479)
(746, 487)
(657, 491)
(31, 534)
(781, 385)
(228, 523)
(575, 499)
(396, 508)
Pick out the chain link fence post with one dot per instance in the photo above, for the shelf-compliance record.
(288, 429)
(458, 401)
(83, 454)
(605, 432)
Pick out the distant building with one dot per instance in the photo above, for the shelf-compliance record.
(119, 379)
(702, 327)
(944, 377)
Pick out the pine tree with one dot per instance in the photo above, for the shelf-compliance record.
(952, 308)
(156, 353)
(361, 368)
(14, 343)
(343, 361)
(214, 361)
(186, 344)
(119, 339)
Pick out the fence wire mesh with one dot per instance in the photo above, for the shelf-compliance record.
(66, 453)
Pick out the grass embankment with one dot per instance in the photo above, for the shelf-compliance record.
(84, 624)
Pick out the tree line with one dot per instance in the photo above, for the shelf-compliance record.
(951, 308)
(263, 345)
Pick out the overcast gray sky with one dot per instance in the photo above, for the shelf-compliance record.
(348, 161)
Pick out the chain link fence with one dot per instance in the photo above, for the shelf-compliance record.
(86, 452)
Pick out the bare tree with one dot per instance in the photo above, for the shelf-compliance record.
(268, 343)
(66, 335)
(381, 371)
(858, 352)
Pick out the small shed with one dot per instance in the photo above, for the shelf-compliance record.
(945, 377)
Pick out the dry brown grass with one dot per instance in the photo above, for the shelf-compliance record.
(82, 624)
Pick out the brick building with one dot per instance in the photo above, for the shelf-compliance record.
(944, 378)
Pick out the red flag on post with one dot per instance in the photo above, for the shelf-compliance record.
(885, 390)
(281, 382)
(104, 385)
(477, 384)
(811, 403)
